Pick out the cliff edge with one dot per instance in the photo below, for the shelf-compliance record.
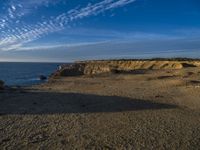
(96, 67)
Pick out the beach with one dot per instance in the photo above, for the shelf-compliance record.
(144, 109)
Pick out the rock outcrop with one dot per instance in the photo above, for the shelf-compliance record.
(75, 69)
(42, 77)
(1, 85)
(116, 66)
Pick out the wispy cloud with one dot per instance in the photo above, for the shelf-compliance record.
(49, 46)
(14, 38)
(106, 50)
(15, 9)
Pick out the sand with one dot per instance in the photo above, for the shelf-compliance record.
(146, 109)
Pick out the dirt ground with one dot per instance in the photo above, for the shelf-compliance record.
(157, 109)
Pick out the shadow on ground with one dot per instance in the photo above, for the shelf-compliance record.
(61, 103)
(137, 71)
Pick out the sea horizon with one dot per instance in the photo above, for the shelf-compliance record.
(25, 73)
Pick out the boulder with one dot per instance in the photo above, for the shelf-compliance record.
(42, 77)
(1, 85)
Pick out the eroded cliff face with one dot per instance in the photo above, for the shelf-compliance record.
(100, 67)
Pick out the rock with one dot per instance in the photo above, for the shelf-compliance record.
(42, 77)
(2, 85)
(70, 70)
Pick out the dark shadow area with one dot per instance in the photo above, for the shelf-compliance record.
(165, 77)
(162, 77)
(120, 72)
(186, 65)
(61, 103)
(194, 82)
(137, 71)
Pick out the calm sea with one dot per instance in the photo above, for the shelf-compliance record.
(24, 74)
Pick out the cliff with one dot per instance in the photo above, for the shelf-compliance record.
(115, 66)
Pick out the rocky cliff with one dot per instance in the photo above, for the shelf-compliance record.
(114, 66)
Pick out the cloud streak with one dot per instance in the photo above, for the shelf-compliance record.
(14, 38)
(19, 8)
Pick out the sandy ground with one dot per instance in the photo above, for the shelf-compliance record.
(139, 110)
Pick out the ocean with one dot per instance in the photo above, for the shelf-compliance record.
(25, 74)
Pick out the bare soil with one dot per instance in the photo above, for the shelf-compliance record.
(157, 109)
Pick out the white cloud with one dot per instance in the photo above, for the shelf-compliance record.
(13, 7)
(49, 46)
(19, 8)
(27, 33)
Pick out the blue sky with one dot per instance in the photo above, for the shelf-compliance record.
(68, 30)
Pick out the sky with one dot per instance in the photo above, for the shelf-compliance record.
(71, 30)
